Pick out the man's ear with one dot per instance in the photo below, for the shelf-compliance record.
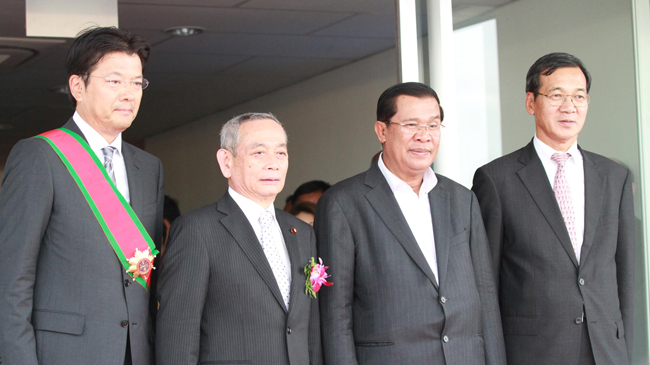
(381, 129)
(530, 103)
(224, 157)
(76, 85)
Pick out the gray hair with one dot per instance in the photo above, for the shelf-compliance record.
(230, 136)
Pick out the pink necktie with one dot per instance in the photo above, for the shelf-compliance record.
(563, 196)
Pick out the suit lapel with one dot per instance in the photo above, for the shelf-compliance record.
(383, 201)
(535, 179)
(594, 187)
(133, 176)
(291, 241)
(239, 227)
(442, 227)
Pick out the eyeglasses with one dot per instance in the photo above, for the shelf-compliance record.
(117, 83)
(557, 99)
(412, 127)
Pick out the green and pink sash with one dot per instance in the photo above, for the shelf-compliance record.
(119, 222)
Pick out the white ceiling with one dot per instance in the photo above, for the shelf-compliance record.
(249, 48)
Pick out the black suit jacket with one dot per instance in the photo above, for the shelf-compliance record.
(542, 287)
(63, 292)
(385, 306)
(219, 300)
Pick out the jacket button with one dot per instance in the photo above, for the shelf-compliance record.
(443, 300)
(445, 339)
(288, 330)
(127, 283)
(578, 320)
(124, 323)
(581, 281)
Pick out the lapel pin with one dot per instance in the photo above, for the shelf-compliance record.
(293, 230)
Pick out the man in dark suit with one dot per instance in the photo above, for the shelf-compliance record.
(560, 222)
(407, 252)
(65, 296)
(232, 286)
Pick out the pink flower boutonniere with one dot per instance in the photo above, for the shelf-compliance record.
(316, 277)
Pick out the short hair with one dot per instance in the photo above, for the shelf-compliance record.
(304, 207)
(230, 136)
(309, 187)
(386, 106)
(547, 64)
(93, 43)
(170, 209)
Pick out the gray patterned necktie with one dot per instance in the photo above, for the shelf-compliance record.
(272, 253)
(108, 161)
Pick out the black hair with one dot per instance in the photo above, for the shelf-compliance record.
(386, 107)
(309, 187)
(170, 209)
(547, 64)
(92, 44)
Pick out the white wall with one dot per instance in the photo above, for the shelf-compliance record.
(599, 32)
(329, 120)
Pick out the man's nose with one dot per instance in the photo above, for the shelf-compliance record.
(422, 134)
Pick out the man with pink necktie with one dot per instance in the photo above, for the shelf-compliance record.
(560, 223)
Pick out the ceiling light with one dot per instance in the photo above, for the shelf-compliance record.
(184, 31)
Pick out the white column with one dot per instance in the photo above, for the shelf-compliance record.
(407, 44)
(641, 30)
(441, 68)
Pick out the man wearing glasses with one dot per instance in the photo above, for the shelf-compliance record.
(560, 223)
(81, 210)
(407, 252)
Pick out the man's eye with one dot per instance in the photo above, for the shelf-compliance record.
(411, 125)
(432, 126)
(556, 96)
(114, 82)
(579, 97)
(137, 83)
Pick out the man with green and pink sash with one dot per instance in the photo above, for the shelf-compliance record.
(81, 215)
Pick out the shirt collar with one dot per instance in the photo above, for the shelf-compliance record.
(252, 210)
(429, 179)
(545, 151)
(95, 140)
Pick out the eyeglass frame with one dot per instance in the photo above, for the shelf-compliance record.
(145, 82)
(426, 127)
(565, 96)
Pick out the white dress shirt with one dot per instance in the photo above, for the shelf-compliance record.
(416, 210)
(97, 142)
(575, 174)
(253, 211)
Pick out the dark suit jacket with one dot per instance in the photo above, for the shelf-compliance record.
(542, 288)
(219, 300)
(385, 306)
(63, 290)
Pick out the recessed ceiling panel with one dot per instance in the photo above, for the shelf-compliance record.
(279, 45)
(209, 3)
(363, 25)
(357, 6)
(285, 66)
(238, 20)
(191, 63)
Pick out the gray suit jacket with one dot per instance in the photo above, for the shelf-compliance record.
(541, 285)
(385, 306)
(63, 291)
(219, 300)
